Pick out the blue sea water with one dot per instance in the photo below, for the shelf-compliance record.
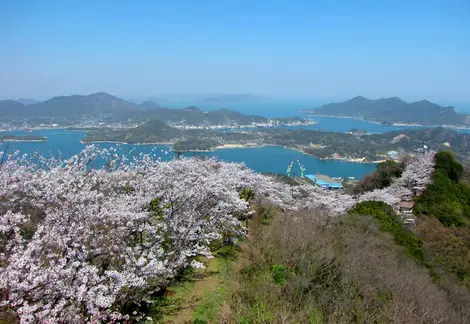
(266, 159)
(273, 159)
(292, 108)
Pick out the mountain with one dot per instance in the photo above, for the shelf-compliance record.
(27, 101)
(393, 110)
(8, 107)
(105, 107)
(195, 116)
(71, 107)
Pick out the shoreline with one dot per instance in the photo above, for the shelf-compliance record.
(24, 141)
(225, 146)
(115, 142)
(393, 124)
(217, 127)
(352, 160)
(242, 146)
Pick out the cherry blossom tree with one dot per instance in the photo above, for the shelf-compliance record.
(415, 178)
(79, 244)
(105, 241)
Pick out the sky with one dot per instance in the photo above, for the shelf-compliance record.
(294, 49)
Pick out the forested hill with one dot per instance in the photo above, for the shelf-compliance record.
(393, 110)
(107, 108)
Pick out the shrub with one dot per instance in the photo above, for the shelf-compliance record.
(389, 223)
(381, 178)
(446, 162)
(446, 198)
(279, 274)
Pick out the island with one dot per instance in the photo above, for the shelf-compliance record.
(394, 111)
(355, 146)
(100, 110)
(25, 138)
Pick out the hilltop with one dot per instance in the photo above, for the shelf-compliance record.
(154, 131)
(393, 110)
(70, 107)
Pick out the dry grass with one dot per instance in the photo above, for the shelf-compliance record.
(307, 268)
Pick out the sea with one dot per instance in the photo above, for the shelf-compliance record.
(272, 159)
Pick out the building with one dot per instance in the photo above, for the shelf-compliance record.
(405, 207)
(324, 181)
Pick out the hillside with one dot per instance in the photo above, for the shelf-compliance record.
(102, 107)
(280, 252)
(71, 107)
(393, 110)
(154, 131)
(371, 147)
(196, 117)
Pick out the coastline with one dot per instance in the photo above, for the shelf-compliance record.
(344, 117)
(24, 141)
(216, 127)
(393, 124)
(351, 160)
(115, 142)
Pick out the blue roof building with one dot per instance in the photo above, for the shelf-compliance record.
(324, 181)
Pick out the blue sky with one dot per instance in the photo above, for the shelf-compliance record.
(324, 50)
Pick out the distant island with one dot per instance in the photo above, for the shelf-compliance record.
(25, 138)
(355, 146)
(102, 109)
(389, 111)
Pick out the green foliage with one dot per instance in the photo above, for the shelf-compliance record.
(315, 317)
(381, 178)
(446, 162)
(247, 194)
(446, 198)
(207, 311)
(279, 274)
(265, 214)
(128, 189)
(228, 251)
(389, 223)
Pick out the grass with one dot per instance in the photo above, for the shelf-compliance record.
(198, 299)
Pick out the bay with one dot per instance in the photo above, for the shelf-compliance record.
(272, 159)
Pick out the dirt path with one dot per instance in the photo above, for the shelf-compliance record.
(190, 295)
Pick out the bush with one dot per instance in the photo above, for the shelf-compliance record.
(446, 198)
(306, 268)
(381, 178)
(279, 274)
(446, 162)
(389, 223)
